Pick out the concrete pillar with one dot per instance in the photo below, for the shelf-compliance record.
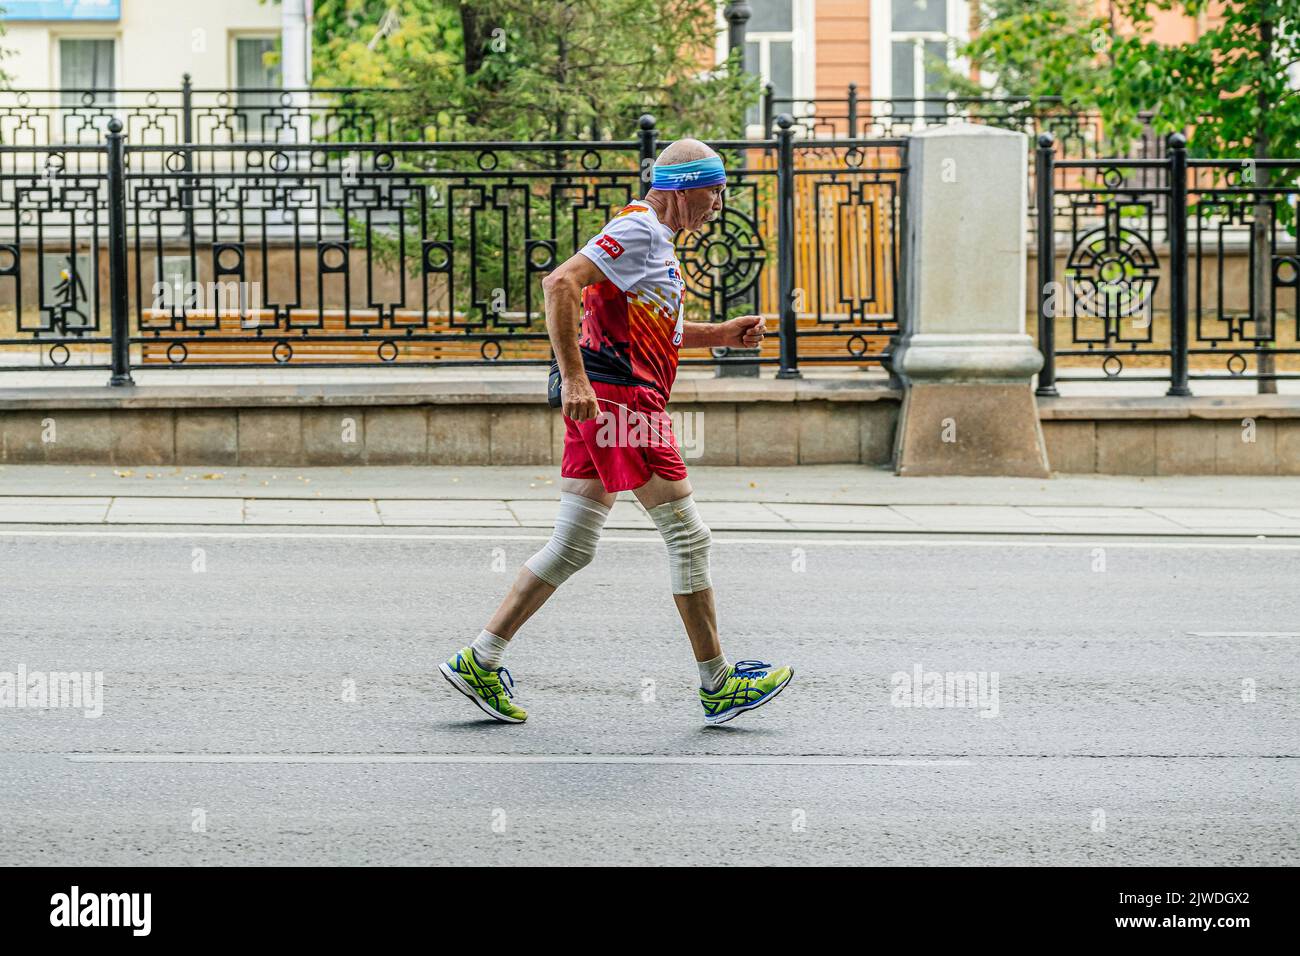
(965, 358)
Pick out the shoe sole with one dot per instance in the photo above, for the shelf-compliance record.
(458, 682)
(737, 711)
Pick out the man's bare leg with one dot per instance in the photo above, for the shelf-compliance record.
(529, 592)
(696, 609)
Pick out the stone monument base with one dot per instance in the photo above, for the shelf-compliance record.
(970, 429)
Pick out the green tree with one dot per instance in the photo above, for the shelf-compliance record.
(524, 70)
(356, 42)
(383, 45)
(575, 66)
(1033, 48)
(1229, 87)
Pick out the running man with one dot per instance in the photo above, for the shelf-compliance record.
(617, 371)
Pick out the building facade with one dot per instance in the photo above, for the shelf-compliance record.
(140, 44)
(813, 49)
(807, 49)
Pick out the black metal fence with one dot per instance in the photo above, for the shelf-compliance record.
(1077, 133)
(1167, 269)
(194, 255)
(204, 117)
(199, 116)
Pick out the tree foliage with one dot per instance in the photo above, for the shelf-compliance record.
(1033, 48)
(524, 70)
(1229, 87)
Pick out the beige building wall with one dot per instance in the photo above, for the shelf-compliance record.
(157, 42)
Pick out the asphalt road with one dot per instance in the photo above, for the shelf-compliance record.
(281, 704)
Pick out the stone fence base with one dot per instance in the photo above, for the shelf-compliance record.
(717, 422)
(1227, 435)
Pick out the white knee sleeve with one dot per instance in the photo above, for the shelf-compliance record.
(688, 541)
(573, 543)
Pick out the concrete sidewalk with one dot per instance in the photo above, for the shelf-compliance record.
(844, 498)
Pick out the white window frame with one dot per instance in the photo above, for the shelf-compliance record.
(79, 32)
(56, 54)
(232, 46)
(233, 37)
(883, 37)
(803, 42)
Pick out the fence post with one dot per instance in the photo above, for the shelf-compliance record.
(768, 108)
(785, 248)
(648, 137)
(853, 110)
(1044, 172)
(117, 299)
(901, 283)
(1177, 219)
(737, 14)
(187, 136)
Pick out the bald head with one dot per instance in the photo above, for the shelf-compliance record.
(683, 151)
(688, 199)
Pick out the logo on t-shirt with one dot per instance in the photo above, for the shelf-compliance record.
(610, 245)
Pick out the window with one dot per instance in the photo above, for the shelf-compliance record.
(84, 65)
(255, 114)
(779, 48)
(908, 36)
(769, 44)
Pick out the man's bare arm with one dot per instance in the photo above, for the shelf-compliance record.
(745, 331)
(700, 335)
(563, 291)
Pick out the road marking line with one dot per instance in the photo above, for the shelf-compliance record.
(690, 759)
(1244, 633)
(654, 539)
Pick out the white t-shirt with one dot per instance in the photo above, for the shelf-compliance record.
(632, 331)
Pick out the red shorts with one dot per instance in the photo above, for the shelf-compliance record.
(623, 447)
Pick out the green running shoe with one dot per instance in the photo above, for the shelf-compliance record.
(750, 684)
(484, 687)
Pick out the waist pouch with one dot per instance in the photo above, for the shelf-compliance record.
(555, 399)
(553, 384)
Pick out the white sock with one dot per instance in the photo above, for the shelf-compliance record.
(714, 672)
(489, 649)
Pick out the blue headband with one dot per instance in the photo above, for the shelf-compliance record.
(692, 175)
